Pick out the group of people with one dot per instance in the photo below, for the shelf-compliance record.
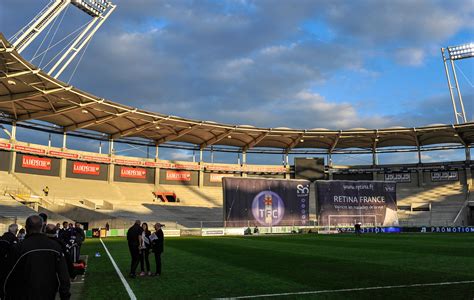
(38, 263)
(140, 242)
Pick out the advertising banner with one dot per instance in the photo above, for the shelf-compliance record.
(63, 154)
(33, 162)
(398, 177)
(7, 146)
(129, 172)
(345, 203)
(22, 148)
(444, 176)
(265, 202)
(101, 159)
(178, 175)
(218, 177)
(85, 168)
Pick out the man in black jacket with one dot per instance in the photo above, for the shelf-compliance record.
(40, 270)
(134, 238)
(157, 244)
(10, 235)
(7, 243)
(50, 231)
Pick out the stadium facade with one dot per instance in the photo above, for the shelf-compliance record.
(428, 193)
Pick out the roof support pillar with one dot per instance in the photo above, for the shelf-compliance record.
(157, 151)
(468, 153)
(200, 155)
(64, 140)
(244, 157)
(13, 134)
(111, 174)
(111, 146)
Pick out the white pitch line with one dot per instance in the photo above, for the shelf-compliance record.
(125, 283)
(353, 289)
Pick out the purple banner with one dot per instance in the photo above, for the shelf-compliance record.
(345, 203)
(265, 202)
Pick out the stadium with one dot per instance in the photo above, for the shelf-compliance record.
(417, 218)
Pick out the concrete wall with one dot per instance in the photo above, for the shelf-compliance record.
(5, 160)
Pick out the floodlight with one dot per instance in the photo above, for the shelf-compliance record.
(456, 53)
(461, 52)
(95, 8)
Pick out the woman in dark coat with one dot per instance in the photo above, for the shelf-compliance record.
(145, 251)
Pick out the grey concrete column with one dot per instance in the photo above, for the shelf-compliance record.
(201, 176)
(468, 178)
(157, 177)
(110, 177)
(62, 168)
(12, 162)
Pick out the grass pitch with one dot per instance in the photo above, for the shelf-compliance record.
(213, 267)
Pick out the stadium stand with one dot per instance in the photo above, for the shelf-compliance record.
(123, 187)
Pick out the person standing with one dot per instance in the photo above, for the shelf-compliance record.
(8, 242)
(145, 251)
(134, 238)
(40, 271)
(158, 241)
(80, 237)
(10, 235)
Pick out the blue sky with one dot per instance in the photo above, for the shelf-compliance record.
(299, 64)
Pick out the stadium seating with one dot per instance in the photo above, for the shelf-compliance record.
(430, 205)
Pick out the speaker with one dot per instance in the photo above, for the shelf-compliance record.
(309, 168)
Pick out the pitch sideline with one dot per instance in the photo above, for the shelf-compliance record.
(124, 282)
(351, 289)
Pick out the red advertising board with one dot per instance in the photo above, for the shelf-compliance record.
(33, 162)
(29, 149)
(63, 154)
(85, 168)
(178, 175)
(128, 162)
(165, 165)
(127, 172)
(5, 146)
(96, 158)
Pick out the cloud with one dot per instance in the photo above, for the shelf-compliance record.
(410, 56)
(250, 62)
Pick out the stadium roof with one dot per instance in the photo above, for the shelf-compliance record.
(28, 93)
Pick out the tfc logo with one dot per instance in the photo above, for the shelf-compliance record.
(268, 208)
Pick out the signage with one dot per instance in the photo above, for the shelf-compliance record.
(29, 149)
(178, 175)
(229, 168)
(96, 158)
(63, 154)
(217, 177)
(345, 203)
(398, 177)
(5, 146)
(128, 162)
(33, 162)
(127, 172)
(85, 168)
(166, 165)
(266, 202)
(444, 176)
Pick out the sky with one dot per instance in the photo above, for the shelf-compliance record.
(298, 64)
